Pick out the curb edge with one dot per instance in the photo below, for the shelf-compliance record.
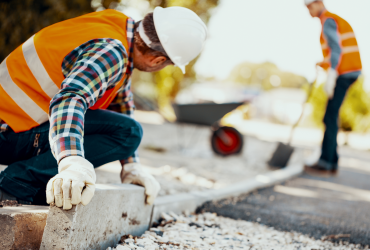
(189, 202)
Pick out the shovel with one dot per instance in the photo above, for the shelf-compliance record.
(284, 151)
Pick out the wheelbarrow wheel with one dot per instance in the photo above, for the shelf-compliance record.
(227, 141)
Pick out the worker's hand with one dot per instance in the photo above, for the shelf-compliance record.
(133, 173)
(75, 183)
(331, 82)
(323, 65)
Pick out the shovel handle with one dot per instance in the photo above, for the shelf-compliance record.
(310, 90)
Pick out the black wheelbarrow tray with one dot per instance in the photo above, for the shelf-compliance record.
(225, 140)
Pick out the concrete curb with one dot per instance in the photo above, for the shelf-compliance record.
(190, 201)
(101, 224)
(114, 211)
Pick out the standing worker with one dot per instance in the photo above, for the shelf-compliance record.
(343, 64)
(54, 89)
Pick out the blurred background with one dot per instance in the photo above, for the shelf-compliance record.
(259, 52)
(260, 55)
(254, 76)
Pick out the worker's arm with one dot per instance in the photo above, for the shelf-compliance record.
(89, 71)
(132, 171)
(330, 30)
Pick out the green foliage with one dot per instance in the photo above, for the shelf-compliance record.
(266, 75)
(355, 111)
(318, 101)
(20, 19)
(170, 80)
(354, 114)
(168, 84)
(201, 7)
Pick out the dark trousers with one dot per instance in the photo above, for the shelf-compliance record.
(329, 155)
(108, 136)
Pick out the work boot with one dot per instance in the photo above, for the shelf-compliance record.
(334, 170)
(320, 171)
(4, 196)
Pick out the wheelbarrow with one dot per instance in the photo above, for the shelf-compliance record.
(225, 140)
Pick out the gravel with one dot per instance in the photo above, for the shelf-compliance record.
(209, 231)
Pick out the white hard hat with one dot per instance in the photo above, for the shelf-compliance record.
(181, 32)
(308, 2)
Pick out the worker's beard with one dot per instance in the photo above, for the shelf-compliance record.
(139, 60)
(141, 66)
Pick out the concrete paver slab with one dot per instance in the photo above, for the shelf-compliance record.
(115, 210)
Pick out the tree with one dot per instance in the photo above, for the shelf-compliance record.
(20, 19)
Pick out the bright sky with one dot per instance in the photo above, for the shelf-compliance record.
(279, 31)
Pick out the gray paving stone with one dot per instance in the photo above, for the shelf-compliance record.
(115, 210)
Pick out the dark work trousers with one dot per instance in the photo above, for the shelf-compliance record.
(329, 154)
(108, 136)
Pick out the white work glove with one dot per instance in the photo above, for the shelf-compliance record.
(67, 187)
(331, 82)
(133, 173)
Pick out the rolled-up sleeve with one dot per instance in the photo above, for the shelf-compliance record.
(330, 30)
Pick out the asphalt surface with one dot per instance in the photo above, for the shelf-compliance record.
(336, 207)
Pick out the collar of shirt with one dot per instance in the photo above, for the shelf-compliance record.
(322, 13)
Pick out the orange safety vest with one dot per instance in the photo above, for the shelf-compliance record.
(350, 58)
(32, 74)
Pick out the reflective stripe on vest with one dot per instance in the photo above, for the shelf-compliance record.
(350, 49)
(35, 65)
(32, 74)
(347, 35)
(19, 97)
(350, 60)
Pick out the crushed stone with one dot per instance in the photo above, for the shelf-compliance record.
(9, 203)
(209, 231)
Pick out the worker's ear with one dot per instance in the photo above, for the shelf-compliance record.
(157, 61)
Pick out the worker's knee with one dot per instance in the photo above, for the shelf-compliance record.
(137, 132)
(130, 133)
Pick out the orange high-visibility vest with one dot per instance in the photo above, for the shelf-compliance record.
(32, 74)
(350, 60)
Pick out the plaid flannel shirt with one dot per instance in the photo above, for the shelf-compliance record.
(89, 70)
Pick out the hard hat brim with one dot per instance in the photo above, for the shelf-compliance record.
(157, 10)
(182, 67)
(164, 27)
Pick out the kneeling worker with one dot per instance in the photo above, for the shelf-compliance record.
(343, 63)
(54, 90)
